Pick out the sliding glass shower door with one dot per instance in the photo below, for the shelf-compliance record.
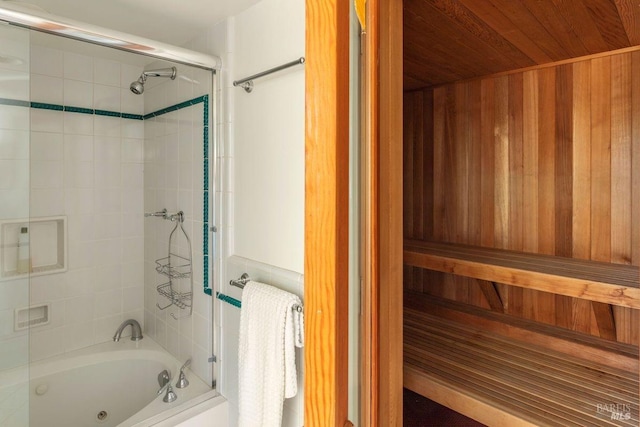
(14, 225)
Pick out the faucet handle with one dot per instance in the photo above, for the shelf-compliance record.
(182, 378)
(170, 396)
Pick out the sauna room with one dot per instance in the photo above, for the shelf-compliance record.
(521, 209)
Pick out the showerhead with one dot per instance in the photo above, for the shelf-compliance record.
(137, 87)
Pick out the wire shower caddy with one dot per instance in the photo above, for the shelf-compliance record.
(175, 267)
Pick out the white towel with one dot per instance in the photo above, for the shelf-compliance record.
(270, 329)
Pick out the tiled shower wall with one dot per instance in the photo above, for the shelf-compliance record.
(89, 168)
(174, 179)
(14, 184)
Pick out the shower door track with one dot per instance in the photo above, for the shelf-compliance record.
(43, 21)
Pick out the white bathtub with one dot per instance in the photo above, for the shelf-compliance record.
(107, 385)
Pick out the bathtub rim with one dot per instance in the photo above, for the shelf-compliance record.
(197, 397)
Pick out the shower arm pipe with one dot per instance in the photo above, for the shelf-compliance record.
(247, 83)
(22, 16)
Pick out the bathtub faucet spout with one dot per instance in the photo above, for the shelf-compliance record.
(136, 330)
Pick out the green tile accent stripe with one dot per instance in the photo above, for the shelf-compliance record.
(204, 99)
(68, 108)
(229, 300)
(205, 196)
(79, 110)
(177, 107)
(45, 106)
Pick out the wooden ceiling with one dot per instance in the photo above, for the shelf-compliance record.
(450, 40)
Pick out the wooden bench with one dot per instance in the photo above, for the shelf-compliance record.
(500, 380)
(615, 284)
(507, 371)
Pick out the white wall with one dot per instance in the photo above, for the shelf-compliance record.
(261, 169)
(269, 136)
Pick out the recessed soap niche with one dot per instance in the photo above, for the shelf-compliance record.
(35, 246)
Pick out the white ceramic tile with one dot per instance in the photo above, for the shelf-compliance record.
(47, 288)
(106, 72)
(107, 252)
(46, 146)
(133, 249)
(106, 98)
(14, 117)
(80, 228)
(107, 175)
(79, 282)
(46, 61)
(173, 342)
(130, 102)
(108, 303)
(78, 148)
(14, 174)
(132, 150)
(161, 332)
(105, 327)
(107, 126)
(15, 203)
(80, 309)
(132, 175)
(78, 201)
(107, 226)
(15, 293)
(133, 129)
(47, 89)
(77, 124)
(149, 324)
(78, 67)
(78, 94)
(107, 278)
(81, 255)
(47, 202)
(128, 74)
(79, 335)
(14, 144)
(47, 343)
(108, 201)
(6, 324)
(200, 364)
(133, 203)
(133, 274)
(78, 174)
(14, 85)
(132, 298)
(107, 149)
(46, 174)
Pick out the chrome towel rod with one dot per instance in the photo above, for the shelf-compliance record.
(247, 83)
(239, 283)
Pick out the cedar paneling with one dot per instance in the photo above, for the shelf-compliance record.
(544, 161)
(447, 41)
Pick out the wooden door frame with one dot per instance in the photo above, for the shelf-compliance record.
(327, 216)
(382, 243)
(326, 213)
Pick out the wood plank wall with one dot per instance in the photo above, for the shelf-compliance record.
(545, 160)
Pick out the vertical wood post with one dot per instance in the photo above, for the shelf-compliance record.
(326, 212)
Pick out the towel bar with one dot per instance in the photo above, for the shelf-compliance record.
(241, 282)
